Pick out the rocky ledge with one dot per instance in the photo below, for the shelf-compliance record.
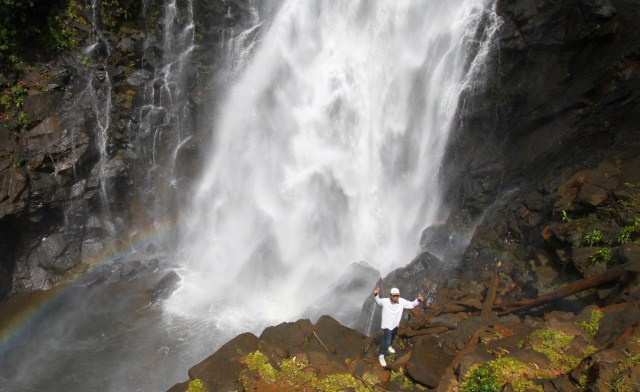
(448, 346)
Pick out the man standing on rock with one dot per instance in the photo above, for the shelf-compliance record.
(392, 308)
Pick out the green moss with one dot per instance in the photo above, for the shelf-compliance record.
(619, 382)
(196, 386)
(400, 379)
(553, 343)
(492, 376)
(591, 327)
(294, 375)
(258, 361)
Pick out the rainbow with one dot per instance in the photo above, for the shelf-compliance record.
(20, 311)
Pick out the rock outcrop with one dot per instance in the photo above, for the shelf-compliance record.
(88, 134)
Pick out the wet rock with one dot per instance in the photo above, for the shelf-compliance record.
(58, 252)
(354, 285)
(13, 191)
(410, 279)
(165, 287)
(444, 242)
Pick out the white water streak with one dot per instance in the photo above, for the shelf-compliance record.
(327, 152)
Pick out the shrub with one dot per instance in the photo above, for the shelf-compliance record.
(593, 238)
(492, 376)
(196, 386)
(602, 255)
(591, 327)
(294, 376)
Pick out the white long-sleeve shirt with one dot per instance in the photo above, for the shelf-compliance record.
(392, 311)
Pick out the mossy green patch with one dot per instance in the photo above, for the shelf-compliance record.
(591, 327)
(196, 386)
(492, 376)
(553, 344)
(297, 376)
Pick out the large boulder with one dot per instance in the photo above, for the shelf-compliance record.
(221, 371)
(428, 363)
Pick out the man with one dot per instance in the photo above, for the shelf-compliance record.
(392, 308)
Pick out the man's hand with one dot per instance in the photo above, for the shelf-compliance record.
(420, 298)
(375, 292)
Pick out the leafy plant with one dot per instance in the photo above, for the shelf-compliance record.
(294, 375)
(593, 238)
(196, 386)
(626, 232)
(492, 376)
(602, 255)
(591, 327)
(553, 343)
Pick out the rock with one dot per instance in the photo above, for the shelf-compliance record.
(428, 364)
(410, 279)
(165, 287)
(286, 339)
(444, 242)
(221, 371)
(58, 252)
(585, 261)
(354, 284)
(628, 252)
(339, 339)
(43, 104)
(592, 195)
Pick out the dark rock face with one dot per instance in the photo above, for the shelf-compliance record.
(69, 183)
(559, 94)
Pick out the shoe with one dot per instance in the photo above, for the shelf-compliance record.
(391, 350)
(382, 361)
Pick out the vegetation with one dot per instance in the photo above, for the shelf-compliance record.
(49, 26)
(628, 231)
(196, 386)
(297, 376)
(619, 381)
(591, 327)
(593, 238)
(492, 376)
(602, 255)
(400, 379)
(553, 344)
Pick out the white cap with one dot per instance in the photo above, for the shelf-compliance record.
(394, 291)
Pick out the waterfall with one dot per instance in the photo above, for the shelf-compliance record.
(327, 151)
(166, 116)
(99, 94)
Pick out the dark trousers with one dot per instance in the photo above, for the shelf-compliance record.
(387, 338)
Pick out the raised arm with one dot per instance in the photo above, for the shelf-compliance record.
(376, 297)
(414, 303)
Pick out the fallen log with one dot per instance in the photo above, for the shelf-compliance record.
(491, 295)
(576, 287)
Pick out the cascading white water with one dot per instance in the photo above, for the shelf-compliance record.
(165, 118)
(327, 151)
